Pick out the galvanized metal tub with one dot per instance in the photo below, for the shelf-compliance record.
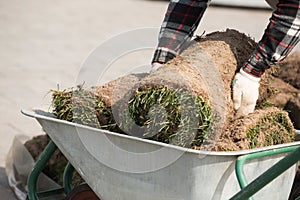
(128, 168)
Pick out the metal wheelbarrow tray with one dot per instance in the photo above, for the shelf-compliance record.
(121, 167)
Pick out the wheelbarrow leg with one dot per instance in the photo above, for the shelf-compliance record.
(67, 177)
(37, 169)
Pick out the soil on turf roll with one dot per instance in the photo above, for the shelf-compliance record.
(170, 105)
(217, 57)
(264, 127)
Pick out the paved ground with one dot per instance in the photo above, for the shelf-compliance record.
(5, 191)
(43, 44)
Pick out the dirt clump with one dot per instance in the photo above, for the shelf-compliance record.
(278, 92)
(293, 108)
(289, 70)
(56, 164)
(283, 87)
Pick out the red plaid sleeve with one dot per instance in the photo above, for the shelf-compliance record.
(180, 22)
(280, 37)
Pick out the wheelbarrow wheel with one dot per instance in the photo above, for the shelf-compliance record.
(82, 192)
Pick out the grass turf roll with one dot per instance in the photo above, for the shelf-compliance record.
(175, 104)
(263, 127)
(178, 117)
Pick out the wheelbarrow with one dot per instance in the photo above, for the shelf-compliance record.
(122, 167)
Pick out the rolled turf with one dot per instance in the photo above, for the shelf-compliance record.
(182, 103)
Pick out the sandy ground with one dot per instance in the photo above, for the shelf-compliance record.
(44, 43)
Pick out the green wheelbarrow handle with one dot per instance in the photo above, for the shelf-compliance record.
(248, 190)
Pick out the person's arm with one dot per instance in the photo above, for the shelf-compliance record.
(180, 22)
(280, 37)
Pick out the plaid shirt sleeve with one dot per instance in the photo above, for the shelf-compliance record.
(280, 37)
(180, 22)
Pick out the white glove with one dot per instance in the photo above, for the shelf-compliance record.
(245, 93)
(155, 66)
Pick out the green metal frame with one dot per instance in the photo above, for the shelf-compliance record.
(67, 178)
(36, 171)
(248, 190)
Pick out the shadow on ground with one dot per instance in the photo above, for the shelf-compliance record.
(5, 192)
